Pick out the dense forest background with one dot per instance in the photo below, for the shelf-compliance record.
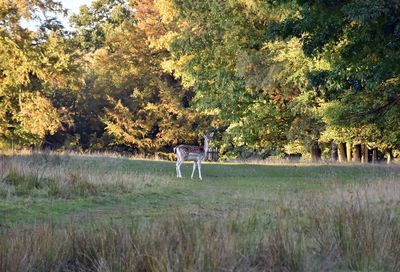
(319, 78)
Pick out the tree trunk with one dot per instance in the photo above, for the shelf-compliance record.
(315, 152)
(364, 153)
(357, 153)
(389, 156)
(334, 152)
(374, 155)
(342, 152)
(348, 151)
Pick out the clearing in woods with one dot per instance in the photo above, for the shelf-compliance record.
(79, 213)
(61, 188)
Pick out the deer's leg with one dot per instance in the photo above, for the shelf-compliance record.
(178, 168)
(180, 172)
(199, 166)
(194, 169)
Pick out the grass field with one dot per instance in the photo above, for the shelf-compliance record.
(79, 213)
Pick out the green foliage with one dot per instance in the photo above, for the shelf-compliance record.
(259, 87)
(36, 117)
(208, 58)
(133, 100)
(208, 52)
(360, 41)
(94, 23)
(33, 65)
(142, 76)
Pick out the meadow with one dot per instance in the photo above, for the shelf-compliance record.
(99, 213)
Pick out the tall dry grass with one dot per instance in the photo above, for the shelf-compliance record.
(65, 176)
(351, 229)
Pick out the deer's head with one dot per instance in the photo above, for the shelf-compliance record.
(208, 137)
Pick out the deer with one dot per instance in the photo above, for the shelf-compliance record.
(192, 153)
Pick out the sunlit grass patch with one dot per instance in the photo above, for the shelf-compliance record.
(61, 176)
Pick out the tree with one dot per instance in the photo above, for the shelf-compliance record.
(127, 94)
(30, 63)
(258, 86)
(360, 41)
(205, 49)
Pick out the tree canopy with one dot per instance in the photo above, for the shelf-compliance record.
(316, 77)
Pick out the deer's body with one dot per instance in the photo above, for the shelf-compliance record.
(191, 153)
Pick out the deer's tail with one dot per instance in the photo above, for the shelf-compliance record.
(175, 150)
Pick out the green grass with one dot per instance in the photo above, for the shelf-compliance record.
(156, 190)
(262, 217)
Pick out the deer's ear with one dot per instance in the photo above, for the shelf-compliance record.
(212, 134)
